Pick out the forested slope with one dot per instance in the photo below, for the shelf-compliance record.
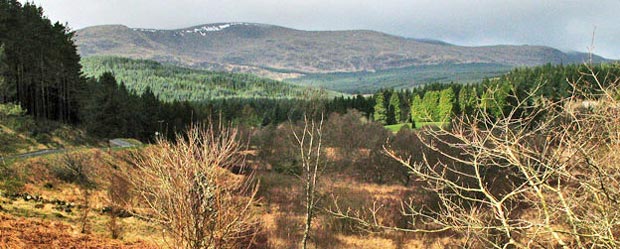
(171, 83)
(39, 65)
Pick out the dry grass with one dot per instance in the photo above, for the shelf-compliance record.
(37, 233)
(37, 174)
(283, 215)
(280, 209)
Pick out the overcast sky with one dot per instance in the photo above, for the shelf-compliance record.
(563, 24)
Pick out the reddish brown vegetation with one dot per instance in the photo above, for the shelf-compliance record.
(34, 233)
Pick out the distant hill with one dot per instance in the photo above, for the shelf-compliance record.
(370, 82)
(172, 83)
(279, 52)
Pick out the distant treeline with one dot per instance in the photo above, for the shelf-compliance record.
(439, 102)
(172, 83)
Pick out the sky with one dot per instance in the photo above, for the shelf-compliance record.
(569, 25)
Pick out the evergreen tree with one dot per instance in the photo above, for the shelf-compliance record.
(430, 103)
(43, 70)
(4, 85)
(151, 114)
(445, 108)
(395, 108)
(494, 100)
(249, 116)
(381, 112)
(101, 112)
(171, 83)
(417, 109)
(467, 100)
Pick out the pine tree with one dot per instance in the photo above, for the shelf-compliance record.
(381, 112)
(417, 110)
(248, 116)
(467, 100)
(4, 86)
(494, 99)
(429, 103)
(102, 109)
(445, 108)
(395, 107)
(43, 70)
(152, 119)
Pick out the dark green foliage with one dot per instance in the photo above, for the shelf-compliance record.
(40, 65)
(381, 111)
(343, 104)
(467, 100)
(172, 83)
(4, 85)
(436, 102)
(394, 109)
(103, 106)
(110, 110)
(401, 78)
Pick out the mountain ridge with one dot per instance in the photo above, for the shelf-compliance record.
(280, 52)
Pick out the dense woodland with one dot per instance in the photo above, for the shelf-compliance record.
(439, 102)
(40, 64)
(171, 83)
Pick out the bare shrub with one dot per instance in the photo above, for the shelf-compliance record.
(539, 175)
(278, 149)
(358, 144)
(83, 219)
(118, 198)
(189, 192)
(74, 169)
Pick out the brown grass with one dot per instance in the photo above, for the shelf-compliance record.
(279, 208)
(37, 233)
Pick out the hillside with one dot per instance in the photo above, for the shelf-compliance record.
(398, 78)
(177, 83)
(280, 52)
(21, 134)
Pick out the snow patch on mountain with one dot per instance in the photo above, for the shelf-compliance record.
(213, 28)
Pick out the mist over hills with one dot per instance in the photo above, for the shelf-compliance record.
(280, 52)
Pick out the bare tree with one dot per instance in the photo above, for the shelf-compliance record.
(118, 194)
(309, 142)
(542, 175)
(187, 189)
